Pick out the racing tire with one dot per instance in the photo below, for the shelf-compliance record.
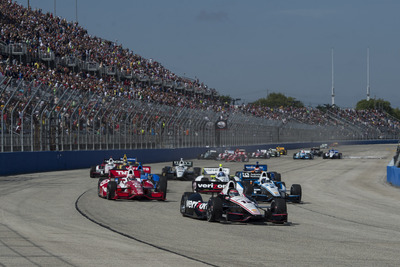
(277, 176)
(214, 209)
(92, 171)
(184, 198)
(278, 206)
(248, 188)
(196, 171)
(162, 187)
(111, 189)
(340, 156)
(295, 189)
(294, 156)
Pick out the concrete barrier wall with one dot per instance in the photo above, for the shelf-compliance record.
(28, 162)
(393, 175)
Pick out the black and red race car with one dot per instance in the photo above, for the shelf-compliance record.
(229, 205)
(133, 182)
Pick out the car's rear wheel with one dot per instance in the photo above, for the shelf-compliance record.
(162, 187)
(248, 188)
(295, 189)
(92, 171)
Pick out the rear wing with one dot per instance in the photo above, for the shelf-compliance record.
(214, 171)
(248, 176)
(252, 167)
(207, 187)
(124, 172)
(181, 162)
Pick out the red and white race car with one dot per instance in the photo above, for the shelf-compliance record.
(136, 182)
(103, 169)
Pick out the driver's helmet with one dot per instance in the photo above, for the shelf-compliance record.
(221, 174)
(131, 174)
(233, 192)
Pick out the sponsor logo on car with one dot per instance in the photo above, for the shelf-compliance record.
(196, 204)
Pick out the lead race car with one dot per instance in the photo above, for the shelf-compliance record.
(261, 185)
(332, 154)
(134, 182)
(181, 170)
(230, 205)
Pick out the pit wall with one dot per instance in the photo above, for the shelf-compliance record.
(12, 163)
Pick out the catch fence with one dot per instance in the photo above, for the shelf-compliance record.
(35, 117)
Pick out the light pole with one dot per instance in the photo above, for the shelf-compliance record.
(76, 10)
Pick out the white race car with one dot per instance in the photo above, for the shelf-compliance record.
(181, 170)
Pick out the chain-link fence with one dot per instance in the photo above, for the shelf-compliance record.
(41, 118)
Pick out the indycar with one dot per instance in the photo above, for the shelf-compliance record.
(181, 170)
(135, 182)
(211, 180)
(281, 150)
(257, 183)
(316, 151)
(224, 155)
(274, 152)
(230, 205)
(303, 154)
(260, 153)
(209, 154)
(103, 169)
(332, 154)
(240, 155)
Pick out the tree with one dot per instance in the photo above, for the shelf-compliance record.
(374, 104)
(378, 104)
(274, 100)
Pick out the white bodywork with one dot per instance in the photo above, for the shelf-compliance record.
(269, 185)
(215, 174)
(241, 200)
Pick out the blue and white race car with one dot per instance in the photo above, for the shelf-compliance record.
(261, 185)
(303, 154)
(332, 154)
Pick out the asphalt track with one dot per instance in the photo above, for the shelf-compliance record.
(349, 217)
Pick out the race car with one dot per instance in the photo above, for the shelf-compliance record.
(274, 152)
(103, 169)
(209, 154)
(281, 150)
(257, 183)
(135, 184)
(211, 180)
(303, 154)
(260, 153)
(239, 155)
(316, 151)
(332, 154)
(224, 155)
(181, 170)
(230, 205)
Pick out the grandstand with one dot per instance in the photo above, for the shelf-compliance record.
(63, 89)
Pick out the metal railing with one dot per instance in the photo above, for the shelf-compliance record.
(35, 117)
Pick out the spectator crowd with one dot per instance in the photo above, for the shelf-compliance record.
(140, 79)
